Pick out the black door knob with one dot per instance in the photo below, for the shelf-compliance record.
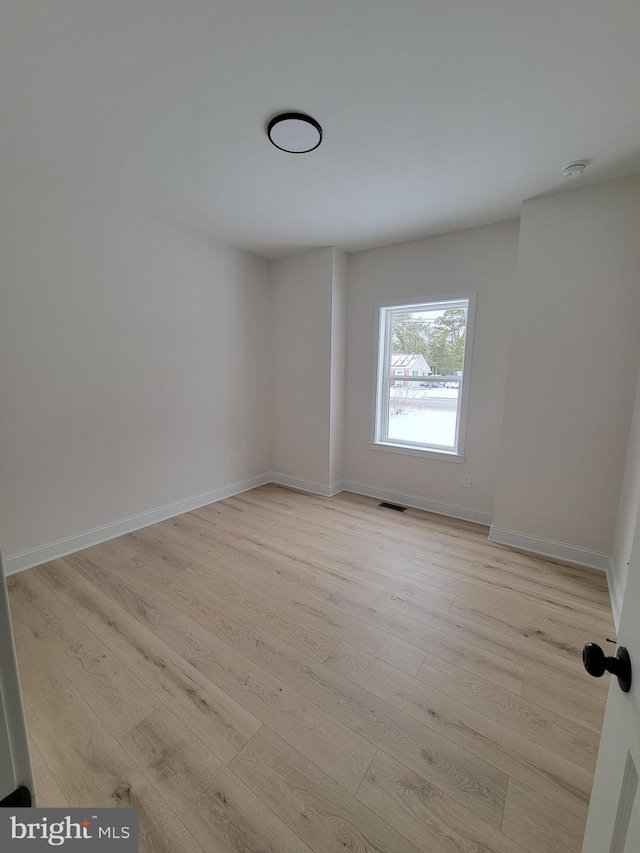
(597, 663)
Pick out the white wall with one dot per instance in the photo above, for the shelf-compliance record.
(628, 509)
(481, 260)
(301, 288)
(338, 365)
(134, 360)
(573, 364)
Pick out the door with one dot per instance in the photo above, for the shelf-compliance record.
(613, 825)
(15, 768)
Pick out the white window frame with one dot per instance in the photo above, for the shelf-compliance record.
(380, 414)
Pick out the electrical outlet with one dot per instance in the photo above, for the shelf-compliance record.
(467, 481)
(234, 459)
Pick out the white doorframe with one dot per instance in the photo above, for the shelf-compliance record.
(15, 764)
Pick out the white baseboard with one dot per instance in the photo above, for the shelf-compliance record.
(464, 513)
(88, 538)
(324, 489)
(561, 551)
(616, 592)
(524, 542)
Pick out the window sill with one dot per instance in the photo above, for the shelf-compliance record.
(442, 455)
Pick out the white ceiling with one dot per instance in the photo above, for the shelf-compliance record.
(437, 114)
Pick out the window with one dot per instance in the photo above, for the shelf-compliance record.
(429, 343)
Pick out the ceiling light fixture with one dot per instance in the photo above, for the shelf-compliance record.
(573, 170)
(295, 133)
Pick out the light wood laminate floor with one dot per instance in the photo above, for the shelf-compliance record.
(281, 672)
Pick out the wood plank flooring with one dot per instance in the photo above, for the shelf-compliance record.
(285, 673)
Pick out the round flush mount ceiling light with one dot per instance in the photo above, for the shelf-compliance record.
(573, 170)
(295, 133)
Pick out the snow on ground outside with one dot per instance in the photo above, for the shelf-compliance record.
(449, 393)
(429, 393)
(424, 427)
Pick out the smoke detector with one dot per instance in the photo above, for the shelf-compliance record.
(573, 170)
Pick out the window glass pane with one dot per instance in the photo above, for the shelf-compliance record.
(428, 341)
(423, 415)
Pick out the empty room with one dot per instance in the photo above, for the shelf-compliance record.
(320, 426)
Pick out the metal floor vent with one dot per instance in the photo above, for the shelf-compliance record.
(397, 507)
